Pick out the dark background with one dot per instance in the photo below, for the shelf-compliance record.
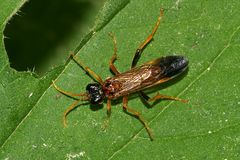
(43, 33)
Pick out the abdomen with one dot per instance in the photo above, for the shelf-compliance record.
(144, 76)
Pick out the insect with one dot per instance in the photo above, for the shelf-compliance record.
(121, 85)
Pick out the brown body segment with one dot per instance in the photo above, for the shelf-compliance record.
(139, 78)
(131, 81)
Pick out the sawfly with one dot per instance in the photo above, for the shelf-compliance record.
(137, 79)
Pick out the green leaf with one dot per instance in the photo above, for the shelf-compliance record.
(19, 91)
(207, 32)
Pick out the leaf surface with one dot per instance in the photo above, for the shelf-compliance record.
(207, 32)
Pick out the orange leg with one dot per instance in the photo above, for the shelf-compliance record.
(87, 69)
(68, 93)
(109, 107)
(149, 38)
(74, 105)
(114, 57)
(160, 96)
(105, 124)
(69, 109)
(137, 115)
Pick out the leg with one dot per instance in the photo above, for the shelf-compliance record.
(149, 38)
(145, 98)
(87, 69)
(137, 115)
(106, 121)
(160, 96)
(114, 57)
(109, 108)
(144, 95)
(69, 109)
(67, 93)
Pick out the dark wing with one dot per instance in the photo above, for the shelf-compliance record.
(171, 67)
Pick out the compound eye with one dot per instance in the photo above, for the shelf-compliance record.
(96, 99)
(95, 92)
(93, 87)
